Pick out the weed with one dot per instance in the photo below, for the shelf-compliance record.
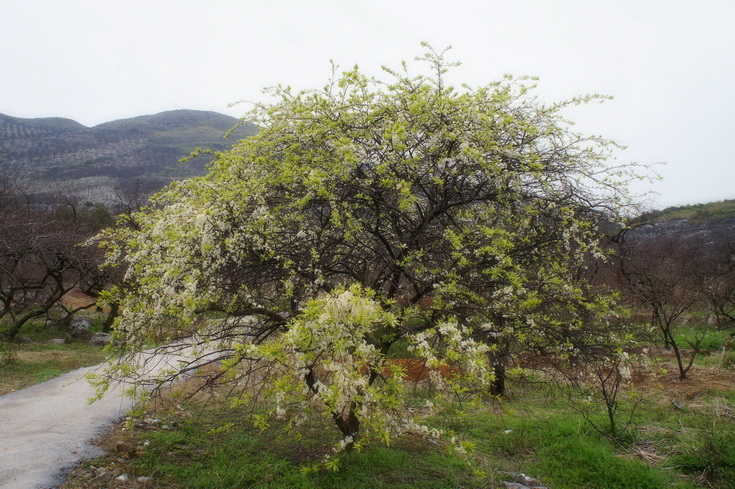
(711, 457)
(8, 353)
(727, 360)
(573, 462)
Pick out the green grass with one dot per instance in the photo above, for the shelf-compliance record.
(710, 456)
(23, 365)
(582, 462)
(209, 446)
(38, 363)
(536, 430)
(712, 339)
(199, 454)
(541, 436)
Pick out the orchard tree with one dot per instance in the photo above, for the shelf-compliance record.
(366, 214)
(661, 274)
(716, 274)
(42, 257)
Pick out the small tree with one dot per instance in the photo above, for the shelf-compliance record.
(716, 274)
(660, 275)
(365, 214)
(598, 378)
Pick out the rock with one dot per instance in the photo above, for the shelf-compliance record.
(529, 481)
(122, 478)
(678, 405)
(57, 341)
(123, 448)
(100, 339)
(522, 481)
(143, 479)
(102, 474)
(79, 326)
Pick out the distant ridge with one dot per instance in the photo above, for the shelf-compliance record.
(55, 154)
(702, 223)
(712, 211)
(12, 125)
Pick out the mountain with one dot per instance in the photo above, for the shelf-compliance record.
(702, 213)
(704, 224)
(49, 155)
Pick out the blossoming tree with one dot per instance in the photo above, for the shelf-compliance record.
(363, 215)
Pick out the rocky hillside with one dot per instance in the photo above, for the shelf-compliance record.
(705, 224)
(60, 155)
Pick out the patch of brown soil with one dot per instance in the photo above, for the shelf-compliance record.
(117, 468)
(43, 356)
(415, 369)
(76, 298)
(700, 380)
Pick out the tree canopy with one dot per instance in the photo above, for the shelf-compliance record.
(369, 214)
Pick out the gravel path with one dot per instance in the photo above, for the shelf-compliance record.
(47, 429)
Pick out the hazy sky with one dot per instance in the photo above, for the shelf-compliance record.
(670, 64)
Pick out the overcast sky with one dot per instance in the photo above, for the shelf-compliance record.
(668, 63)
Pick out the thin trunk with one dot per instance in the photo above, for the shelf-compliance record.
(679, 360)
(349, 427)
(497, 387)
(611, 417)
(110, 319)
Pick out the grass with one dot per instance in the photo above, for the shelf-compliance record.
(534, 430)
(30, 366)
(202, 445)
(710, 456)
(23, 365)
(243, 458)
(712, 339)
(682, 437)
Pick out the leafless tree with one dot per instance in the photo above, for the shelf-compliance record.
(42, 258)
(659, 274)
(716, 267)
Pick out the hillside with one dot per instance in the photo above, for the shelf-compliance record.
(703, 213)
(51, 154)
(704, 223)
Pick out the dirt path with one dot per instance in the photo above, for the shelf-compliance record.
(47, 429)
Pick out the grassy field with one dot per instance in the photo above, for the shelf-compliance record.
(723, 209)
(682, 436)
(22, 365)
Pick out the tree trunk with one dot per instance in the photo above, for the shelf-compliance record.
(349, 427)
(110, 319)
(10, 333)
(497, 387)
